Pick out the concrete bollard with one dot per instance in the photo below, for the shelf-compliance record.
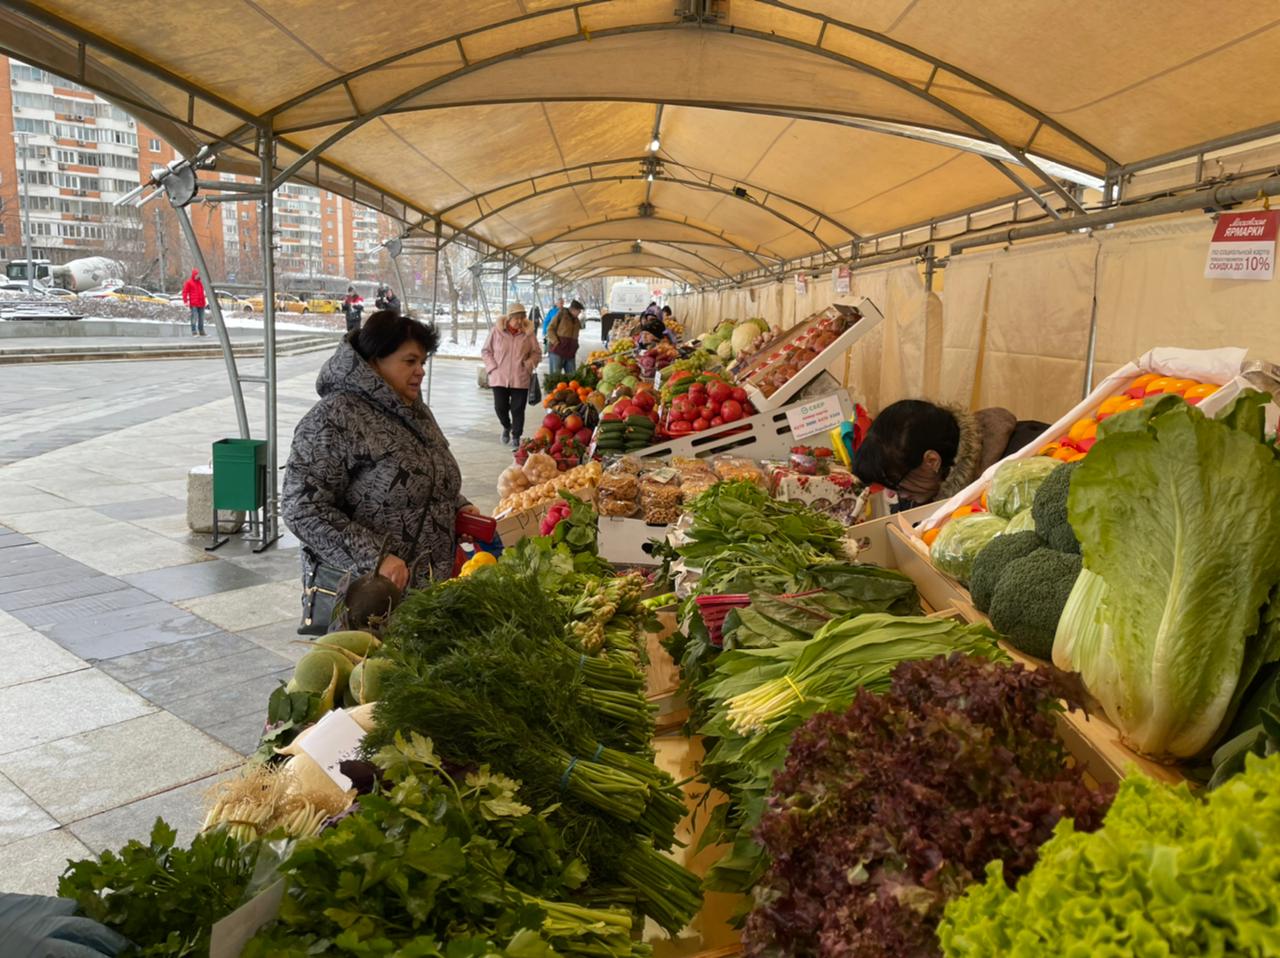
(200, 504)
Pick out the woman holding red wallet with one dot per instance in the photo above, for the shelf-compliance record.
(370, 479)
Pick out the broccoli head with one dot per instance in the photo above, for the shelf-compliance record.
(1029, 599)
(1049, 509)
(991, 561)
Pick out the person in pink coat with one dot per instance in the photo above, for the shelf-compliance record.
(511, 356)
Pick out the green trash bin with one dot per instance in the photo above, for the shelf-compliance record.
(239, 474)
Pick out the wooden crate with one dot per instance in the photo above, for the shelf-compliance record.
(709, 934)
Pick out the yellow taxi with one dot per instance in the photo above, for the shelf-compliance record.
(285, 303)
(134, 294)
(323, 305)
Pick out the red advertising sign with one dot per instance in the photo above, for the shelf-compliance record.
(1243, 246)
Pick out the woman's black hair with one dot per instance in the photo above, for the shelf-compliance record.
(386, 331)
(666, 310)
(654, 326)
(900, 436)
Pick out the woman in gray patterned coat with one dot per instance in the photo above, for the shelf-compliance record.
(368, 459)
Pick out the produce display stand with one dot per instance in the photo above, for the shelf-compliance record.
(766, 435)
(864, 317)
(623, 541)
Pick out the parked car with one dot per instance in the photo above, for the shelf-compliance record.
(590, 313)
(134, 294)
(19, 287)
(285, 303)
(323, 305)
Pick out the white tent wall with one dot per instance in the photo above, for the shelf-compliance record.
(1017, 320)
(1016, 327)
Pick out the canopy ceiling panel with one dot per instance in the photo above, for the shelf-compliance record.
(529, 119)
(686, 258)
(725, 261)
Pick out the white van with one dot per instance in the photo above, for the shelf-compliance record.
(630, 298)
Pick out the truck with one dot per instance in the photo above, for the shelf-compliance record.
(630, 297)
(77, 275)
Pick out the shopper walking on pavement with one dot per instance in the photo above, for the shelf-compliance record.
(562, 338)
(352, 308)
(511, 356)
(551, 318)
(193, 296)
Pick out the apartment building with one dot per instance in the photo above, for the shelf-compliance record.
(83, 153)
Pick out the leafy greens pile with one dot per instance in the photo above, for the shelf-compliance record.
(886, 811)
(1178, 518)
(433, 865)
(1167, 874)
(761, 696)
(496, 671)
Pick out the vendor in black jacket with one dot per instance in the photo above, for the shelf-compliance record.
(927, 452)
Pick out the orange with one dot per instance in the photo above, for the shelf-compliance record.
(1111, 406)
(930, 535)
(1141, 381)
(574, 384)
(1160, 384)
(1200, 391)
(1084, 429)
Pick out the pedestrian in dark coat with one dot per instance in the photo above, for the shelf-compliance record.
(369, 459)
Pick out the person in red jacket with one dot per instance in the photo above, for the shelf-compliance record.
(193, 296)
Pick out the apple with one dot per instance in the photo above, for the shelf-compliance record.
(552, 422)
(563, 434)
(543, 435)
(573, 422)
(583, 436)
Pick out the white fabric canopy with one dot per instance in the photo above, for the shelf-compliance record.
(786, 128)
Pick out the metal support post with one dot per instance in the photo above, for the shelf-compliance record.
(228, 357)
(435, 300)
(504, 286)
(271, 524)
(23, 140)
(160, 255)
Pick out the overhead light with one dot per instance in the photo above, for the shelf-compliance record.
(654, 145)
(649, 177)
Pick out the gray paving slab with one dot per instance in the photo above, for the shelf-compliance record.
(88, 611)
(75, 587)
(27, 556)
(91, 608)
(173, 685)
(182, 807)
(136, 667)
(194, 580)
(175, 626)
(281, 638)
(20, 815)
(210, 709)
(29, 657)
(83, 775)
(53, 708)
(32, 866)
(10, 539)
(38, 578)
(241, 734)
(143, 508)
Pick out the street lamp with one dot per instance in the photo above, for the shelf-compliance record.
(22, 138)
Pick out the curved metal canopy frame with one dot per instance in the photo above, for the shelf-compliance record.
(567, 236)
(532, 179)
(616, 258)
(973, 123)
(601, 245)
(619, 178)
(599, 271)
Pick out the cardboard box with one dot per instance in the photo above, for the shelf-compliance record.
(623, 541)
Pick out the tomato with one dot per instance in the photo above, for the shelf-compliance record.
(1159, 385)
(719, 392)
(731, 410)
(1083, 429)
(1129, 404)
(1109, 406)
(709, 411)
(700, 424)
(1141, 381)
(717, 421)
(739, 394)
(679, 427)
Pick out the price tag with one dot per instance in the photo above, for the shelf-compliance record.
(819, 416)
(840, 280)
(1243, 246)
(333, 740)
(802, 284)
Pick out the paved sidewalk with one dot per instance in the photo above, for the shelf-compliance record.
(139, 665)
